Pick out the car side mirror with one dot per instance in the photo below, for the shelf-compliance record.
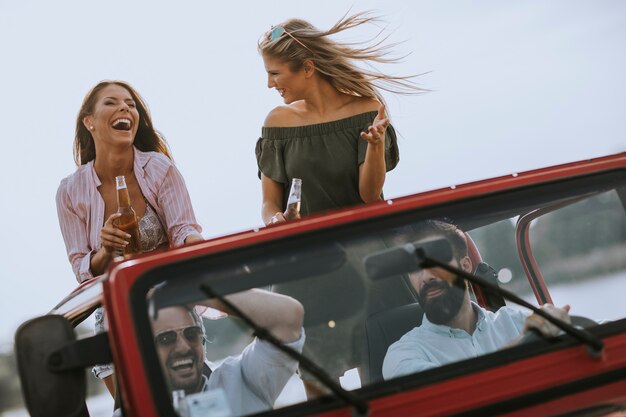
(48, 392)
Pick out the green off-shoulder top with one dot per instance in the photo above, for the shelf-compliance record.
(326, 156)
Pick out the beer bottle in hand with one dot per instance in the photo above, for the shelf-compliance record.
(293, 202)
(128, 221)
(179, 402)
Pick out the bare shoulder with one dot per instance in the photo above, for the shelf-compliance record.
(364, 105)
(369, 104)
(282, 116)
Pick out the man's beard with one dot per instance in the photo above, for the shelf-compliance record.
(444, 307)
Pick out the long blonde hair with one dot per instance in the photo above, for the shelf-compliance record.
(335, 60)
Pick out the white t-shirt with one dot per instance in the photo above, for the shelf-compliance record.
(253, 380)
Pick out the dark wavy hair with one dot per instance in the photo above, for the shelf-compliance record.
(447, 229)
(146, 139)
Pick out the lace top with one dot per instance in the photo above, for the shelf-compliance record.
(151, 230)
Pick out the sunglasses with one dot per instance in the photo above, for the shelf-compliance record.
(277, 31)
(193, 334)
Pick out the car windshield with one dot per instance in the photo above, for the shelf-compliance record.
(359, 289)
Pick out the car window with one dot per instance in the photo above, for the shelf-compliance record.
(352, 317)
(336, 296)
(580, 251)
(497, 245)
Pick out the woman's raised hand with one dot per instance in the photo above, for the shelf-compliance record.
(112, 238)
(376, 132)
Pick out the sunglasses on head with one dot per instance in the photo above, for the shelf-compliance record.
(193, 334)
(277, 31)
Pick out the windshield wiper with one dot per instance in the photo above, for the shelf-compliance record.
(412, 256)
(360, 406)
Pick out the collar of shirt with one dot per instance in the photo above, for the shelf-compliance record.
(140, 159)
(205, 384)
(452, 332)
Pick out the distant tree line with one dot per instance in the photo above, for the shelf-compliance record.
(579, 241)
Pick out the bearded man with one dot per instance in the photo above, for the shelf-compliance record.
(455, 328)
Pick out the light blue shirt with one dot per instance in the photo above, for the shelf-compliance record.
(431, 345)
(253, 380)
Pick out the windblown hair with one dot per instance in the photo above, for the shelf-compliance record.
(146, 139)
(335, 61)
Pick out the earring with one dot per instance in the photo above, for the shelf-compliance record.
(90, 127)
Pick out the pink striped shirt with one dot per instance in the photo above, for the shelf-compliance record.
(80, 207)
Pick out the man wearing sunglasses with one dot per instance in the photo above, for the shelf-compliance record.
(252, 381)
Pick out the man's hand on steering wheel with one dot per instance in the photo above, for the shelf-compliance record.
(535, 322)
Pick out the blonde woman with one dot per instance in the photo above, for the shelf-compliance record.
(333, 131)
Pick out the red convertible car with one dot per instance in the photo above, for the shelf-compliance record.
(554, 235)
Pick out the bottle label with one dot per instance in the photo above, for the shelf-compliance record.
(293, 199)
(292, 211)
(295, 193)
(209, 403)
(128, 221)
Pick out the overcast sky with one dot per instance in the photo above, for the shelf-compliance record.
(516, 85)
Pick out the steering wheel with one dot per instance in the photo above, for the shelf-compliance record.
(533, 335)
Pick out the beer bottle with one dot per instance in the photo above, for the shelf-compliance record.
(179, 402)
(293, 202)
(128, 221)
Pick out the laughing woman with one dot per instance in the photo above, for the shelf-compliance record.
(333, 131)
(115, 136)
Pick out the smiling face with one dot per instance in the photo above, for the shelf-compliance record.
(291, 85)
(115, 118)
(179, 344)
